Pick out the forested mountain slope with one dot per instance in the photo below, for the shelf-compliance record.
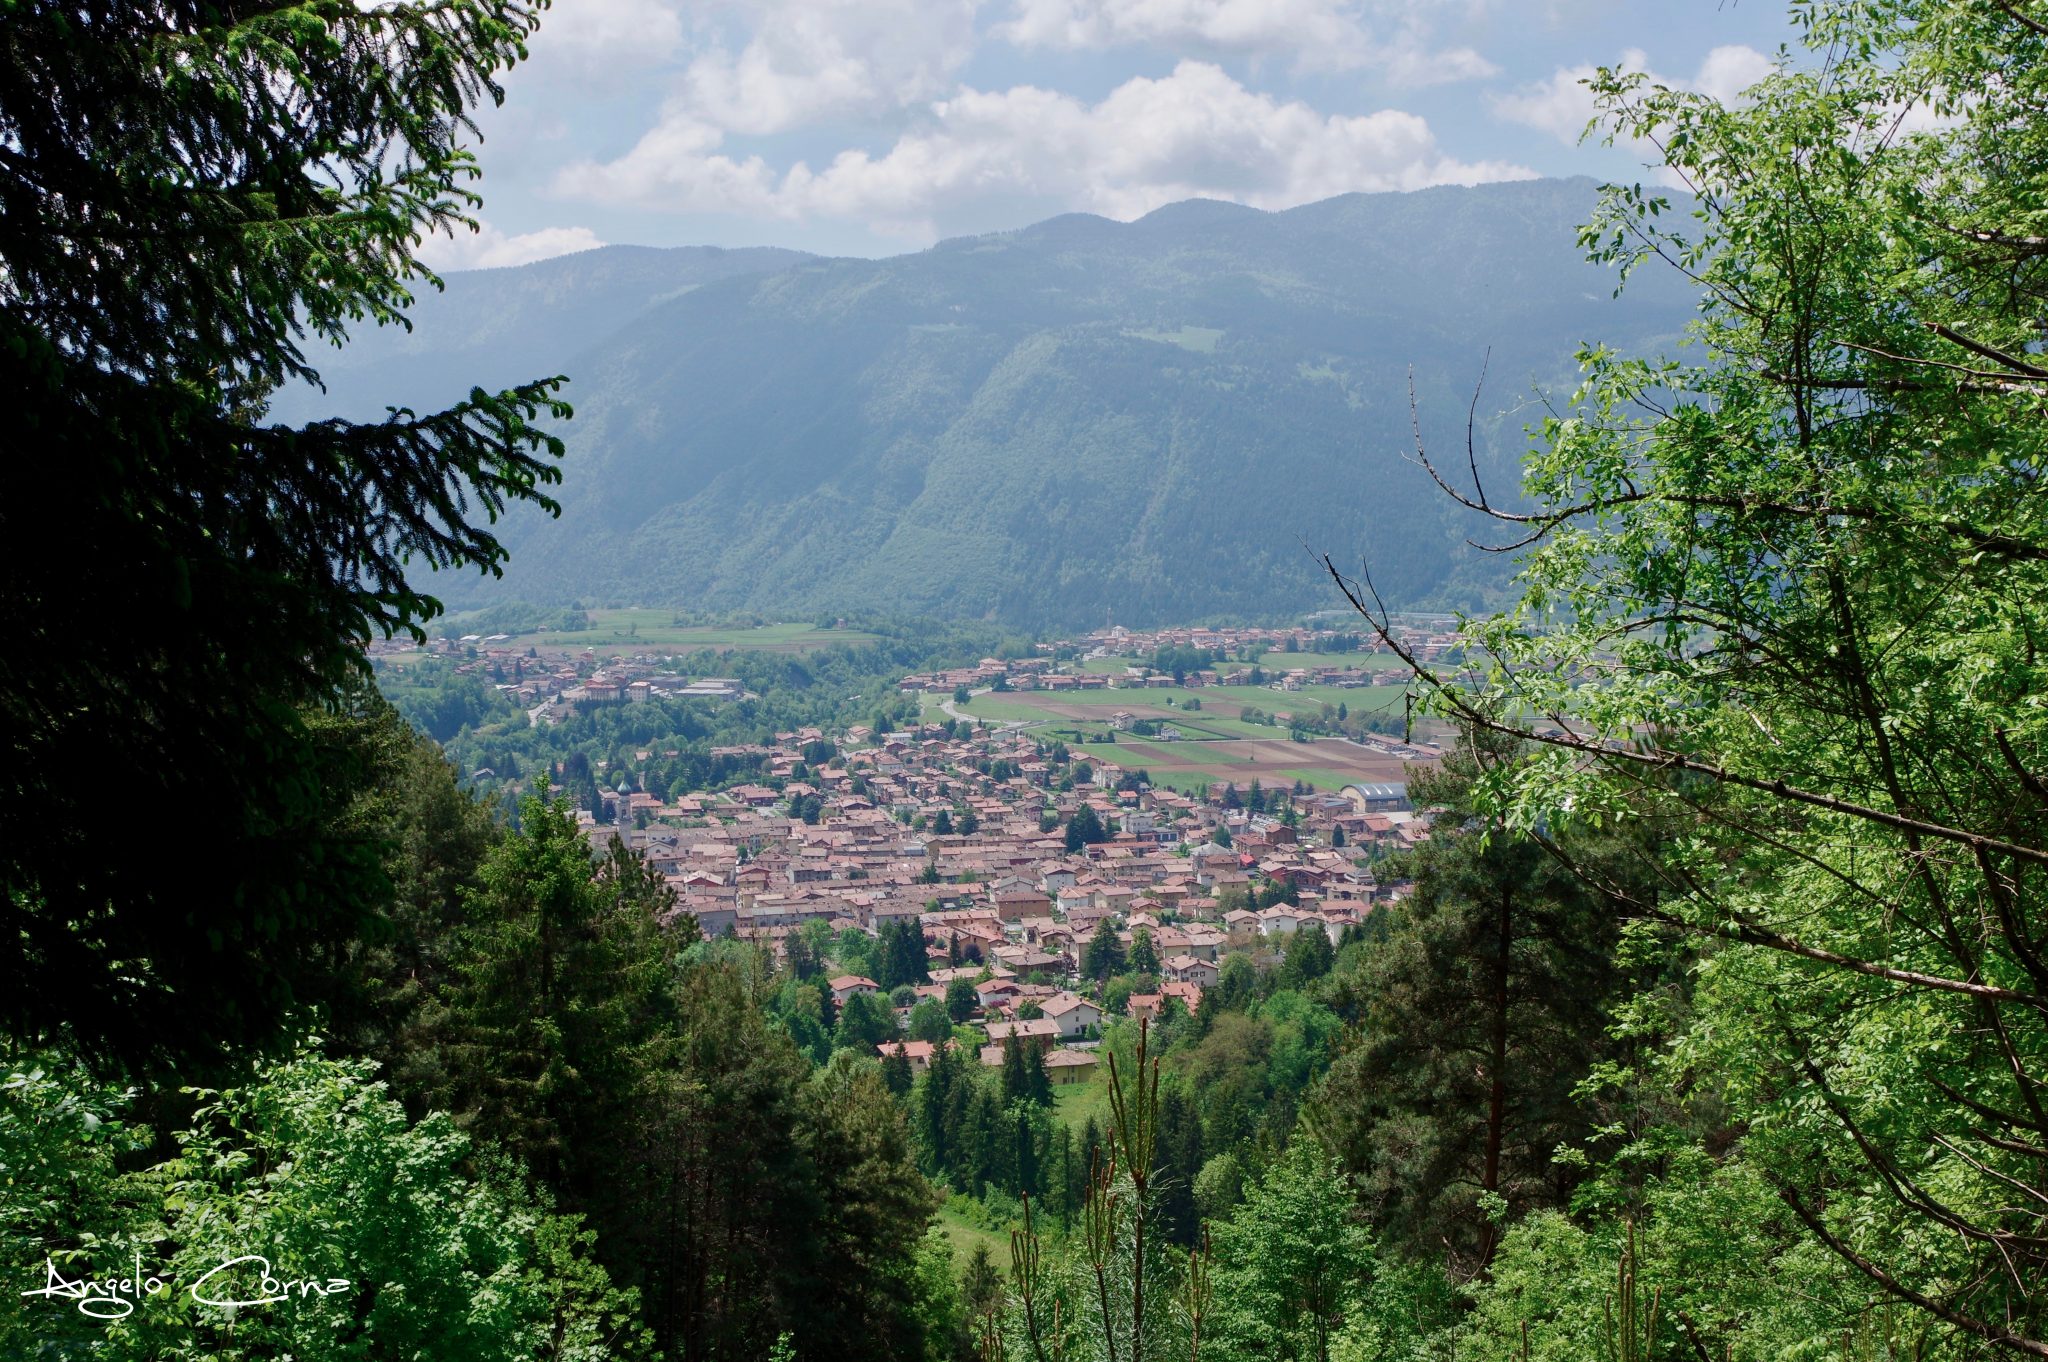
(1082, 418)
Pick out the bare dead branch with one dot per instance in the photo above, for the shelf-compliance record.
(1658, 759)
(1970, 1324)
(2012, 8)
(1977, 347)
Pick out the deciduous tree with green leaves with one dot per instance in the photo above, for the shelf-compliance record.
(1780, 603)
(313, 1166)
(1291, 1262)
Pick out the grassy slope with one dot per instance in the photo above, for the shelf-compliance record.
(653, 627)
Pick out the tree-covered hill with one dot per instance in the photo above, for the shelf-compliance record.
(505, 326)
(1086, 417)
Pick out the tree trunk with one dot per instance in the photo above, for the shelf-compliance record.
(1497, 1058)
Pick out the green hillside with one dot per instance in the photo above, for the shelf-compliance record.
(1153, 421)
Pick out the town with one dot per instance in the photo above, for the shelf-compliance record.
(1021, 866)
(1162, 799)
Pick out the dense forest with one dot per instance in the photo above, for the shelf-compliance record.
(1715, 1025)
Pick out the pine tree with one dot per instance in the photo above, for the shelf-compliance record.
(1104, 955)
(1064, 1176)
(986, 1148)
(192, 191)
(1307, 956)
(1487, 1007)
(1088, 1156)
(1179, 1161)
(981, 1287)
(933, 1097)
(1037, 1083)
(1016, 1087)
(896, 1074)
(1025, 1176)
(561, 976)
(1144, 957)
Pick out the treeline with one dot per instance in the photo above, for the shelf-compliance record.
(544, 1024)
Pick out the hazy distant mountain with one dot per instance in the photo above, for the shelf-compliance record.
(495, 328)
(1155, 419)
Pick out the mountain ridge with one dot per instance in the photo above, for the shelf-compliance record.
(1156, 419)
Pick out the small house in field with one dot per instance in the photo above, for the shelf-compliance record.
(918, 1052)
(846, 985)
(1072, 1013)
(1063, 1067)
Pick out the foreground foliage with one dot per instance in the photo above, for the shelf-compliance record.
(1779, 625)
(189, 194)
(316, 1169)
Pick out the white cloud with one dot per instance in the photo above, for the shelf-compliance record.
(1414, 66)
(487, 248)
(1329, 27)
(806, 60)
(1319, 34)
(1563, 105)
(1728, 71)
(584, 38)
(1196, 132)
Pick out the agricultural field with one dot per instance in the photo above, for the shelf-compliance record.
(1325, 763)
(637, 630)
(1272, 662)
(1216, 744)
(1218, 716)
(1281, 662)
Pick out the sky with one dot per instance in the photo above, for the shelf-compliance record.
(874, 127)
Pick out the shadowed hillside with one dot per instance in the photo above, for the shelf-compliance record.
(1081, 418)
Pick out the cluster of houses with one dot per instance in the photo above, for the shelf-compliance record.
(1427, 642)
(549, 688)
(1008, 899)
(1042, 673)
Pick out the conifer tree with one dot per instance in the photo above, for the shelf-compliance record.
(896, 1074)
(1104, 955)
(190, 194)
(1307, 956)
(1037, 1083)
(1488, 1004)
(562, 974)
(1180, 1162)
(1085, 828)
(1016, 1087)
(1144, 956)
